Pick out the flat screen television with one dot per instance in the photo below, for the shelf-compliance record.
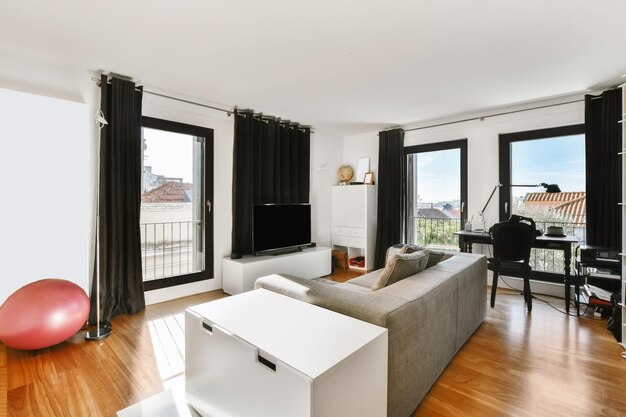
(280, 227)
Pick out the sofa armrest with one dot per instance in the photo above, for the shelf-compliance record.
(371, 307)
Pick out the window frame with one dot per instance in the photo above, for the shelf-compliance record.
(504, 150)
(504, 167)
(207, 134)
(460, 144)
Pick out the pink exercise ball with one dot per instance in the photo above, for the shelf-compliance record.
(42, 314)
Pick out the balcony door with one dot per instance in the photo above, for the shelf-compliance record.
(176, 203)
(436, 193)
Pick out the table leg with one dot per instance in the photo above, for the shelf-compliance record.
(577, 292)
(464, 245)
(568, 258)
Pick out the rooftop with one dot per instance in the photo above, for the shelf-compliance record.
(170, 192)
(570, 205)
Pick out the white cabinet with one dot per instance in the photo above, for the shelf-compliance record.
(263, 354)
(354, 221)
(239, 275)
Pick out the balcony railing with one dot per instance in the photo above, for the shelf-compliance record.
(167, 249)
(548, 260)
(436, 233)
(439, 234)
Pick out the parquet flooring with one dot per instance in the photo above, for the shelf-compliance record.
(542, 364)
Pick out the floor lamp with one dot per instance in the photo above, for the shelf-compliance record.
(103, 329)
(549, 188)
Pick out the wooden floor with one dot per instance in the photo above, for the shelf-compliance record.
(542, 364)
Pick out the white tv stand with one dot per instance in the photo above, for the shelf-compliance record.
(239, 275)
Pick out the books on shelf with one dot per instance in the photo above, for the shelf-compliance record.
(588, 297)
(598, 293)
(594, 301)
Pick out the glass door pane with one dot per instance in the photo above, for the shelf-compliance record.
(174, 207)
(559, 160)
(434, 197)
(551, 160)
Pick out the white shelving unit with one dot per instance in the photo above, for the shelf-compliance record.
(354, 221)
(623, 254)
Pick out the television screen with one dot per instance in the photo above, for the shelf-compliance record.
(276, 226)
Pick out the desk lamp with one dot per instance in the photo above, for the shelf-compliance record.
(549, 188)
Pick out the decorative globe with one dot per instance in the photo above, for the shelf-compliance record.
(345, 173)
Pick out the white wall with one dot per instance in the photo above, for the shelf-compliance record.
(56, 145)
(360, 146)
(325, 160)
(482, 142)
(44, 215)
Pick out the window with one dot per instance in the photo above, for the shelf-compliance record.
(550, 156)
(176, 213)
(436, 193)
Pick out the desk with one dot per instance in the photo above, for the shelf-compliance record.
(467, 239)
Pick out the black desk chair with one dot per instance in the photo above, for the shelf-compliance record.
(512, 241)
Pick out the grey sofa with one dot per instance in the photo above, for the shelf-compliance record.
(429, 316)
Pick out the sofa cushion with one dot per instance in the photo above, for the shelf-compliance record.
(349, 286)
(400, 266)
(434, 257)
(367, 280)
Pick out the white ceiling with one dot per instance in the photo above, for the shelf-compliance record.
(355, 64)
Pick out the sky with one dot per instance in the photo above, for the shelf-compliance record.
(169, 154)
(438, 176)
(559, 160)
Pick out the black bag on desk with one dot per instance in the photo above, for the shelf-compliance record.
(615, 321)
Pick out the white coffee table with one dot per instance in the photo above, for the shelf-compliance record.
(263, 354)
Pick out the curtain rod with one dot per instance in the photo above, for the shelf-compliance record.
(489, 115)
(228, 112)
(500, 114)
(266, 119)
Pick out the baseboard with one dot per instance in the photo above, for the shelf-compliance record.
(179, 291)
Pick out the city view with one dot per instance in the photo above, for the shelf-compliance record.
(434, 191)
(171, 223)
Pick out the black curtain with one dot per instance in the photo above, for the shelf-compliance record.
(603, 141)
(271, 164)
(121, 281)
(391, 192)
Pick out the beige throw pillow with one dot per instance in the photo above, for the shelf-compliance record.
(393, 250)
(434, 257)
(400, 266)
